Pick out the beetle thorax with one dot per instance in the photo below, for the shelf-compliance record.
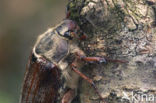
(51, 46)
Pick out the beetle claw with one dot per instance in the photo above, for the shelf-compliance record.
(102, 60)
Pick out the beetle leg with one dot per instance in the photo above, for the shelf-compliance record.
(98, 59)
(68, 96)
(94, 59)
(90, 59)
(90, 81)
(101, 60)
(116, 60)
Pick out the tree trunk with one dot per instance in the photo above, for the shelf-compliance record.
(118, 29)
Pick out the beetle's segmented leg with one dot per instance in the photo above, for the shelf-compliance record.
(91, 59)
(116, 60)
(94, 59)
(88, 80)
(68, 96)
(98, 59)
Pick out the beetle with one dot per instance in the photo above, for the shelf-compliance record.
(54, 60)
(55, 64)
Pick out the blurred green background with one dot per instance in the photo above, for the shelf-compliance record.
(21, 21)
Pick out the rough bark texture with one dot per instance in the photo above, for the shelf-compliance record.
(118, 29)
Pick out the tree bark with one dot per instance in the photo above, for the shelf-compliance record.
(118, 29)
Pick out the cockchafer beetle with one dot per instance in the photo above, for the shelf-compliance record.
(56, 60)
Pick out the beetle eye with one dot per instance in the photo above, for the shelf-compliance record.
(67, 34)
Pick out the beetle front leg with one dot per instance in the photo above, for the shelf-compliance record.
(94, 59)
(90, 59)
(68, 96)
(98, 59)
(90, 81)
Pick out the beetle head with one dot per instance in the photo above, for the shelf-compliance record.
(70, 30)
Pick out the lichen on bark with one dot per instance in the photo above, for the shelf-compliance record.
(118, 29)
